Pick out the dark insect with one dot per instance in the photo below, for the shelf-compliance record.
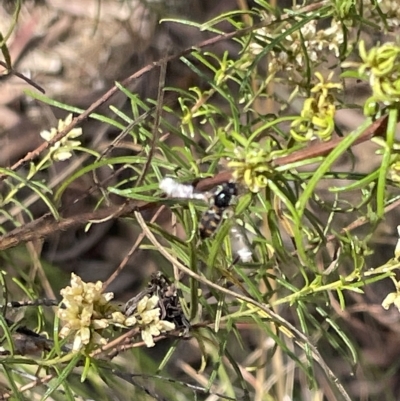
(169, 304)
(212, 217)
(218, 201)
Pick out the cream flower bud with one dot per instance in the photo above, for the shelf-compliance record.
(397, 249)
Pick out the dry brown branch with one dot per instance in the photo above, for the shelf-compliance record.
(21, 76)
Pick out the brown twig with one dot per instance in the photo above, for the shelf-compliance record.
(29, 386)
(22, 76)
(377, 128)
(47, 225)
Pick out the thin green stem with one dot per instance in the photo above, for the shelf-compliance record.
(386, 161)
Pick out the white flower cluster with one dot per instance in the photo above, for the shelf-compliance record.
(147, 317)
(291, 57)
(87, 313)
(62, 150)
(391, 9)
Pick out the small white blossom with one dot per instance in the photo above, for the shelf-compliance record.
(147, 337)
(391, 299)
(100, 323)
(397, 249)
(87, 312)
(147, 303)
(164, 325)
(147, 316)
(391, 9)
(118, 318)
(130, 321)
(62, 150)
(307, 39)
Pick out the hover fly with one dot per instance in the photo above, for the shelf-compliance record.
(212, 217)
(219, 201)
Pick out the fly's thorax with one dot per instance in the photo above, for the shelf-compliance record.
(223, 198)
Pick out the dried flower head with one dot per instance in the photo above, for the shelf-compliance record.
(62, 150)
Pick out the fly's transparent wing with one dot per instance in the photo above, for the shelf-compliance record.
(240, 243)
(174, 189)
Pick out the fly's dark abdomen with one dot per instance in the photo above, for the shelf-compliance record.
(210, 221)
